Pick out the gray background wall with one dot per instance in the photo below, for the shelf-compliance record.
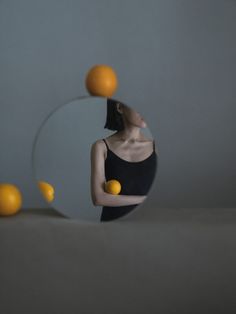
(175, 61)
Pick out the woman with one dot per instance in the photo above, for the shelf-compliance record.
(127, 156)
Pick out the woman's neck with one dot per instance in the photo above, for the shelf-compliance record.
(129, 134)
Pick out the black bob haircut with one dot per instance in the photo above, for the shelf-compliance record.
(114, 120)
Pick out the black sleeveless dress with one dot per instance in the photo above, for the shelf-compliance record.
(135, 178)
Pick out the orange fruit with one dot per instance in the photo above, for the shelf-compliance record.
(113, 187)
(10, 199)
(101, 80)
(47, 190)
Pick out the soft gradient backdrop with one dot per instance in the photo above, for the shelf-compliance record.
(175, 61)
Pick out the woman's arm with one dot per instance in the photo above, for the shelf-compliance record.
(97, 180)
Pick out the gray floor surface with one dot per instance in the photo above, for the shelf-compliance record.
(175, 261)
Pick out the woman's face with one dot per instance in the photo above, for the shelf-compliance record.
(131, 116)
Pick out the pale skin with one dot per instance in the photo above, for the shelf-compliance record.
(129, 144)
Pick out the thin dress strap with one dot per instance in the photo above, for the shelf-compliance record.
(105, 143)
(153, 145)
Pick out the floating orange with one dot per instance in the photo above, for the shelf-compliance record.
(101, 80)
(10, 199)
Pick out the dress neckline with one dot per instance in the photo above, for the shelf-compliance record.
(131, 162)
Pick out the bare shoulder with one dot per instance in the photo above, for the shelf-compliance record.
(98, 142)
(98, 146)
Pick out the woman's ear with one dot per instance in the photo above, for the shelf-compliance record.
(119, 108)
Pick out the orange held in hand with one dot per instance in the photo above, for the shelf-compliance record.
(113, 187)
(47, 190)
(10, 199)
(101, 80)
